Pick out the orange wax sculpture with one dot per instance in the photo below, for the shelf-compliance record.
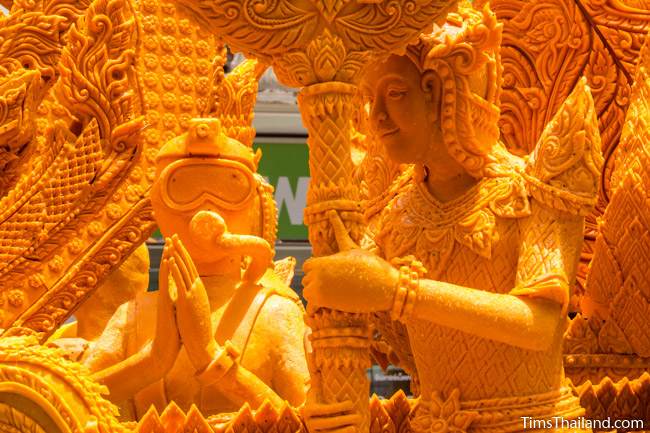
(474, 249)
(469, 251)
(123, 285)
(242, 333)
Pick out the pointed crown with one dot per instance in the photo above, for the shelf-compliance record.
(464, 54)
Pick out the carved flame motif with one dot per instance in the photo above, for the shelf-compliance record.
(235, 100)
(448, 416)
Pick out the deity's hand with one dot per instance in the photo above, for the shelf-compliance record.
(193, 307)
(354, 281)
(166, 343)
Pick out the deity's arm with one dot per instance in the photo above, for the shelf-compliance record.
(373, 285)
(131, 375)
(126, 371)
(110, 347)
(529, 315)
(519, 321)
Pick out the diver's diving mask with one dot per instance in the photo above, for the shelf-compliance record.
(189, 183)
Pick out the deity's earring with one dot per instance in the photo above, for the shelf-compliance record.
(432, 87)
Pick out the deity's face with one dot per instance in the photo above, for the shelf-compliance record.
(401, 115)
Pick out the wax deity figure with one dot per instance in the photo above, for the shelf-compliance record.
(475, 249)
(223, 329)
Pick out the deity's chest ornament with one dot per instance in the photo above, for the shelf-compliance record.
(415, 222)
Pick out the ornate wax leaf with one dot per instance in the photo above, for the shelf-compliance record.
(380, 421)
(196, 422)
(352, 66)
(589, 400)
(399, 408)
(549, 44)
(569, 140)
(95, 68)
(580, 336)
(295, 69)
(327, 54)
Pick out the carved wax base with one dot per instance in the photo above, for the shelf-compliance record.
(581, 368)
(386, 416)
(625, 399)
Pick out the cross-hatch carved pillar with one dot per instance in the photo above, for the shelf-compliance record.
(340, 341)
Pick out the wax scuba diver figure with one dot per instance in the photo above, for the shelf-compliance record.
(223, 329)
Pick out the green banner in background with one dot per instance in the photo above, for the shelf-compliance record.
(286, 166)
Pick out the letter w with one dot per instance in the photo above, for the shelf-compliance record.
(295, 203)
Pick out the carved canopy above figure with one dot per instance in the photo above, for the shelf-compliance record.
(321, 31)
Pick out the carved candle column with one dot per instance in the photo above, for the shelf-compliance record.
(326, 110)
(340, 340)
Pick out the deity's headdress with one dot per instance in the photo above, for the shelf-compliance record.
(464, 54)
